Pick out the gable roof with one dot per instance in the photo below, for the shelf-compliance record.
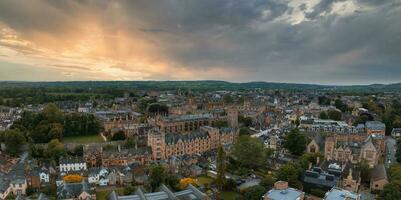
(379, 173)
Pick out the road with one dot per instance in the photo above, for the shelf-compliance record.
(391, 148)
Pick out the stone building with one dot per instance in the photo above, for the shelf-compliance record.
(375, 128)
(165, 145)
(232, 117)
(182, 123)
(124, 157)
(96, 155)
(316, 144)
(352, 148)
(351, 179)
(379, 178)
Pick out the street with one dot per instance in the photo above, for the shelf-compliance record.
(391, 148)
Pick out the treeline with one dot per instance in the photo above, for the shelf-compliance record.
(390, 112)
(51, 123)
(18, 96)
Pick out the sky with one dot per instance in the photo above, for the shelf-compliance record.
(299, 41)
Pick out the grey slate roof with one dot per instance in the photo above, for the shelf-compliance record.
(178, 118)
(379, 172)
(375, 125)
(71, 159)
(191, 193)
(318, 177)
(71, 190)
(174, 138)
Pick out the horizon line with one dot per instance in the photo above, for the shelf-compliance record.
(234, 82)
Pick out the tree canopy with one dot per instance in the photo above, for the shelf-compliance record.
(13, 139)
(254, 192)
(295, 142)
(51, 123)
(250, 152)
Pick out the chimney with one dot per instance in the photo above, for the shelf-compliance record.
(281, 185)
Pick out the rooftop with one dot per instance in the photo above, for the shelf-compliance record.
(375, 125)
(164, 193)
(341, 194)
(286, 194)
(177, 118)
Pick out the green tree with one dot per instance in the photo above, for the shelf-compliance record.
(55, 150)
(391, 191)
(129, 190)
(37, 151)
(308, 158)
(52, 113)
(323, 115)
(341, 105)
(119, 135)
(397, 122)
(254, 193)
(361, 120)
(246, 121)
(291, 173)
(323, 100)
(365, 171)
(230, 185)
(267, 182)
(250, 152)
(13, 139)
(221, 167)
(228, 99)
(398, 152)
(130, 142)
(295, 142)
(244, 131)
(79, 150)
(157, 176)
(334, 115)
(40, 134)
(172, 181)
(56, 131)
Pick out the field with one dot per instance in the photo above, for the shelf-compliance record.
(204, 180)
(229, 195)
(84, 139)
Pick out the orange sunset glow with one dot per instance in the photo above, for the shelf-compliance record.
(270, 40)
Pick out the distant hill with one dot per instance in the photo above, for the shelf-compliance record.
(201, 85)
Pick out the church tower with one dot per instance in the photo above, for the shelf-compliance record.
(232, 117)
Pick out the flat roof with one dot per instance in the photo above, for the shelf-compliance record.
(341, 194)
(287, 194)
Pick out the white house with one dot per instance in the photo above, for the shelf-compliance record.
(44, 177)
(98, 176)
(74, 164)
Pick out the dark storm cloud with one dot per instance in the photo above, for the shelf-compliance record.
(247, 36)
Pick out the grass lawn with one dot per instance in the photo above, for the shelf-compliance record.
(84, 139)
(203, 180)
(229, 195)
(102, 195)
